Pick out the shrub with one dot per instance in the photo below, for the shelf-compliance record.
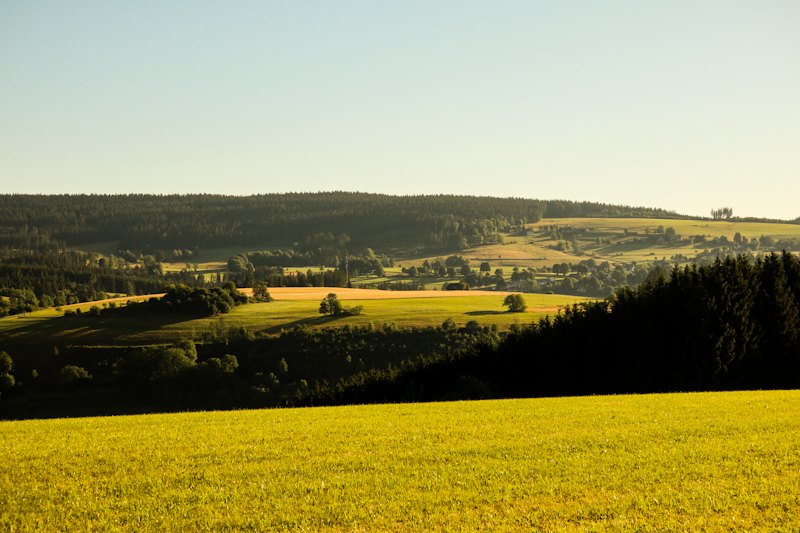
(73, 374)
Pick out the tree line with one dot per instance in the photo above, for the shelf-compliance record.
(197, 301)
(170, 222)
(32, 280)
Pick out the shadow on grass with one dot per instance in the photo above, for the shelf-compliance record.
(310, 322)
(484, 313)
(85, 329)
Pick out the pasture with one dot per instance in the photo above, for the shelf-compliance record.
(537, 250)
(676, 462)
(712, 228)
(293, 307)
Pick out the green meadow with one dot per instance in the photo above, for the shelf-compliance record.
(538, 250)
(48, 327)
(676, 462)
(714, 228)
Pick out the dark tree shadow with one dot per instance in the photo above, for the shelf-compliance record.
(84, 329)
(311, 322)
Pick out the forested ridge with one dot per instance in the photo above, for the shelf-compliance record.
(50, 222)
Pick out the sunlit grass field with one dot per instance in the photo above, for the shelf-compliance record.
(48, 327)
(535, 251)
(677, 462)
(714, 228)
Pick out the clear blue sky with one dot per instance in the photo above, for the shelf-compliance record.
(686, 105)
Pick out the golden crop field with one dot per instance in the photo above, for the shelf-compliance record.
(676, 462)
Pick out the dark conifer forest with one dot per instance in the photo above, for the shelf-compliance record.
(50, 222)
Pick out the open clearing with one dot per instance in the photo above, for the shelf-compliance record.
(675, 462)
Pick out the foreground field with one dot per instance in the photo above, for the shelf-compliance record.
(292, 307)
(697, 462)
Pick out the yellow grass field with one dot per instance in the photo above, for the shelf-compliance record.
(713, 462)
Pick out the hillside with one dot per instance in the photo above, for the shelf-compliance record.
(625, 240)
(292, 308)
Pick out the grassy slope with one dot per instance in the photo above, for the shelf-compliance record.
(535, 251)
(49, 329)
(710, 462)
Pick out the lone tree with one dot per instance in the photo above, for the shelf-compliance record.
(515, 303)
(330, 305)
(261, 292)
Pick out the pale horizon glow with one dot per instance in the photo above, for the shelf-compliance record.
(685, 106)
